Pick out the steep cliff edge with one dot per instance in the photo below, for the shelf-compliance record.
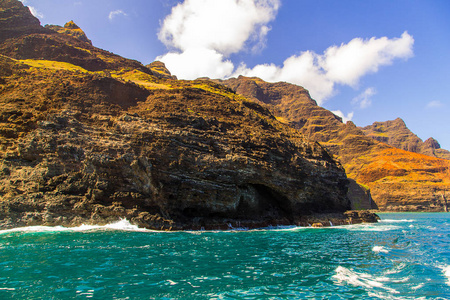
(82, 146)
(398, 180)
(396, 134)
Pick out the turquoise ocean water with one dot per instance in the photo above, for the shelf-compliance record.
(405, 256)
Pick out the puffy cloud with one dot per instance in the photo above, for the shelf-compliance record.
(345, 118)
(221, 25)
(116, 13)
(345, 65)
(434, 104)
(203, 33)
(363, 100)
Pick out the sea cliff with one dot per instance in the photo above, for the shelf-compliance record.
(90, 137)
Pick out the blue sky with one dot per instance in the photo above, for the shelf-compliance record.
(370, 60)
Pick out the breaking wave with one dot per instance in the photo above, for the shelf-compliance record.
(397, 220)
(347, 276)
(122, 224)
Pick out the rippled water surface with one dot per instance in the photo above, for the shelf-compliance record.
(405, 256)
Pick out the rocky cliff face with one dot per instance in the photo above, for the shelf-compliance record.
(79, 146)
(22, 37)
(396, 134)
(398, 180)
(85, 148)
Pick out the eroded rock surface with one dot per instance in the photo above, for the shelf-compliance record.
(82, 148)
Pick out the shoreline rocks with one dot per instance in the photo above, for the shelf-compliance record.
(155, 222)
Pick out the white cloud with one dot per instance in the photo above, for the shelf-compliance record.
(203, 33)
(345, 118)
(197, 62)
(363, 100)
(345, 65)
(221, 25)
(116, 13)
(35, 12)
(434, 104)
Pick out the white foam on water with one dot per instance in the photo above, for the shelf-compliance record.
(347, 276)
(421, 285)
(7, 289)
(368, 227)
(122, 224)
(245, 229)
(35, 229)
(396, 220)
(446, 271)
(378, 249)
(171, 282)
(285, 228)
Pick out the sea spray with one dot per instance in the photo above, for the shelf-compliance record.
(447, 273)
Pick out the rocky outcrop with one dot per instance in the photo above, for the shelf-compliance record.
(397, 179)
(396, 134)
(159, 70)
(71, 29)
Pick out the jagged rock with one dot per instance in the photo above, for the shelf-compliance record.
(159, 69)
(72, 29)
(431, 144)
(357, 217)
